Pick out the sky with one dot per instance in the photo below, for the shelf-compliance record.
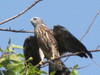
(74, 15)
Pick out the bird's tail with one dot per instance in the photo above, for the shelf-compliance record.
(58, 67)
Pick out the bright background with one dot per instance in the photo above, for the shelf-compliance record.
(75, 15)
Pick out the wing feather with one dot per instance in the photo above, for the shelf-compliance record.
(68, 43)
(31, 49)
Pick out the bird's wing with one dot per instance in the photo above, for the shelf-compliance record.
(68, 43)
(31, 49)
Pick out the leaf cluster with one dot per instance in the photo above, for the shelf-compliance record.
(13, 63)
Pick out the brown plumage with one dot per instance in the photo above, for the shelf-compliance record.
(54, 43)
(31, 49)
(45, 39)
(48, 44)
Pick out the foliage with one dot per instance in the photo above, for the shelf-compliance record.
(12, 63)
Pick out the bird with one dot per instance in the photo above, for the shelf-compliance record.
(48, 44)
(45, 38)
(53, 43)
(60, 37)
(31, 49)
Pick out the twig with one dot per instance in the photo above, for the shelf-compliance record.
(97, 47)
(79, 67)
(26, 68)
(44, 65)
(65, 59)
(17, 31)
(90, 25)
(67, 67)
(36, 1)
(5, 53)
(67, 55)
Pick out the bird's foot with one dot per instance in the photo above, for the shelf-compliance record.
(52, 58)
(41, 62)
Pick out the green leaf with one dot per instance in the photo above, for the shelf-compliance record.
(11, 47)
(30, 58)
(4, 61)
(15, 67)
(18, 68)
(52, 73)
(11, 66)
(22, 71)
(20, 55)
(15, 46)
(8, 49)
(74, 72)
(14, 58)
(9, 72)
(1, 65)
(75, 67)
(43, 72)
(1, 49)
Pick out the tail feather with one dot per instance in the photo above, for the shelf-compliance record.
(90, 55)
(59, 67)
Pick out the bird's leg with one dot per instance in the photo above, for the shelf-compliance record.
(41, 56)
(53, 57)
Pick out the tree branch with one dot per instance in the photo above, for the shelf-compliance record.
(67, 55)
(17, 31)
(97, 47)
(90, 25)
(79, 67)
(36, 1)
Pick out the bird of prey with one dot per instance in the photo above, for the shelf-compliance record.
(45, 38)
(31, 49)
(54, 42)
(48, 44)
(57, 41)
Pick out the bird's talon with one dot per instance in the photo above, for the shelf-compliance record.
(41, 62)
(52, 57)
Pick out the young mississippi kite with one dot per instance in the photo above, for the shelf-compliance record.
(31, 49)
(53, 43)
(58, 41)
(47, 43)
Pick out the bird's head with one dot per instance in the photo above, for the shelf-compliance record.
(36, 21)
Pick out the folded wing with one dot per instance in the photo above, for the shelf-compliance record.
(31, 49)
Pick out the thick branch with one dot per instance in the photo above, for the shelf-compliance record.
(90, 25)
(20, 13)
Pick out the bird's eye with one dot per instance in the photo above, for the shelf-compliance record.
(34, 18)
